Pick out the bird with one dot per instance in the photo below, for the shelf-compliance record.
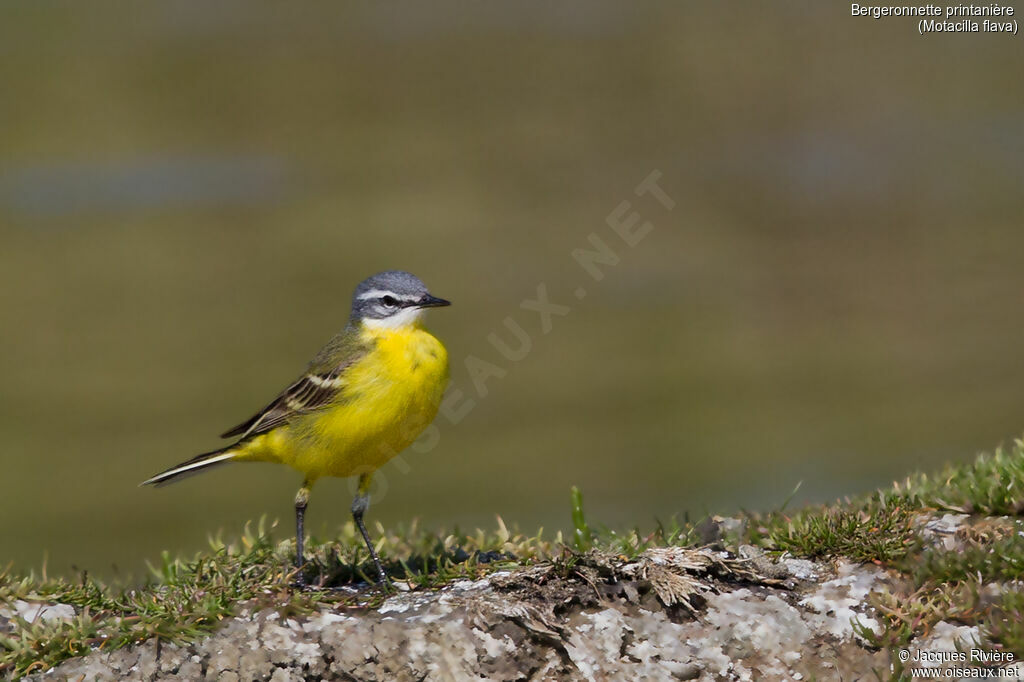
(365, 397)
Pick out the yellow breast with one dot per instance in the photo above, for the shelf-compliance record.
(389, 397)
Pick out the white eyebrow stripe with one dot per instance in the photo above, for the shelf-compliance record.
(373, 293)
(378, 293)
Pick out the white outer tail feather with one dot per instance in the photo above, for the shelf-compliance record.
(189, 468)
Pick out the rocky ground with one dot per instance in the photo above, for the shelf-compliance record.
(671, 614)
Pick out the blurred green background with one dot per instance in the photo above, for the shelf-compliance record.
(189, 191)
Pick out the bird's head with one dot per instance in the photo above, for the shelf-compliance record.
(392, 299)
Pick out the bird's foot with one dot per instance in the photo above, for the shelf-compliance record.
(383, 580)
(299, 581)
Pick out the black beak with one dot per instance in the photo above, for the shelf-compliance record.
(429, 301)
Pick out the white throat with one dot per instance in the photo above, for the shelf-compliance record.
(406, 317)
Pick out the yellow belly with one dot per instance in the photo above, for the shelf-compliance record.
(389, 397)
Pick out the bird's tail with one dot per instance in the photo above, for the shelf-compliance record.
(197, 464)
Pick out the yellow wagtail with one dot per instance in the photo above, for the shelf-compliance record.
(365, 397)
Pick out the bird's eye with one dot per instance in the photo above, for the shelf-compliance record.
(389, 301)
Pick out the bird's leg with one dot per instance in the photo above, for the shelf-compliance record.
(301, 501)
(359, 506)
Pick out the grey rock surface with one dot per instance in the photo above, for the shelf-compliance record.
(673, 615)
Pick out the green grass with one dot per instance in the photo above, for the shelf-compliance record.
(993, 484)
(955, 586)
(187, 599)
(879, 527)
(183, 599)
(874, 529)
(998, 559)
(977, 584)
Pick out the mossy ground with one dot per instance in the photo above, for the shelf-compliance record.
(186, 598)
(938, 584)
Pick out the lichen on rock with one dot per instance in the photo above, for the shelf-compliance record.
(670, 614)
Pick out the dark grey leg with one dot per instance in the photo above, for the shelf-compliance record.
(359, 506)
(301, 502)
